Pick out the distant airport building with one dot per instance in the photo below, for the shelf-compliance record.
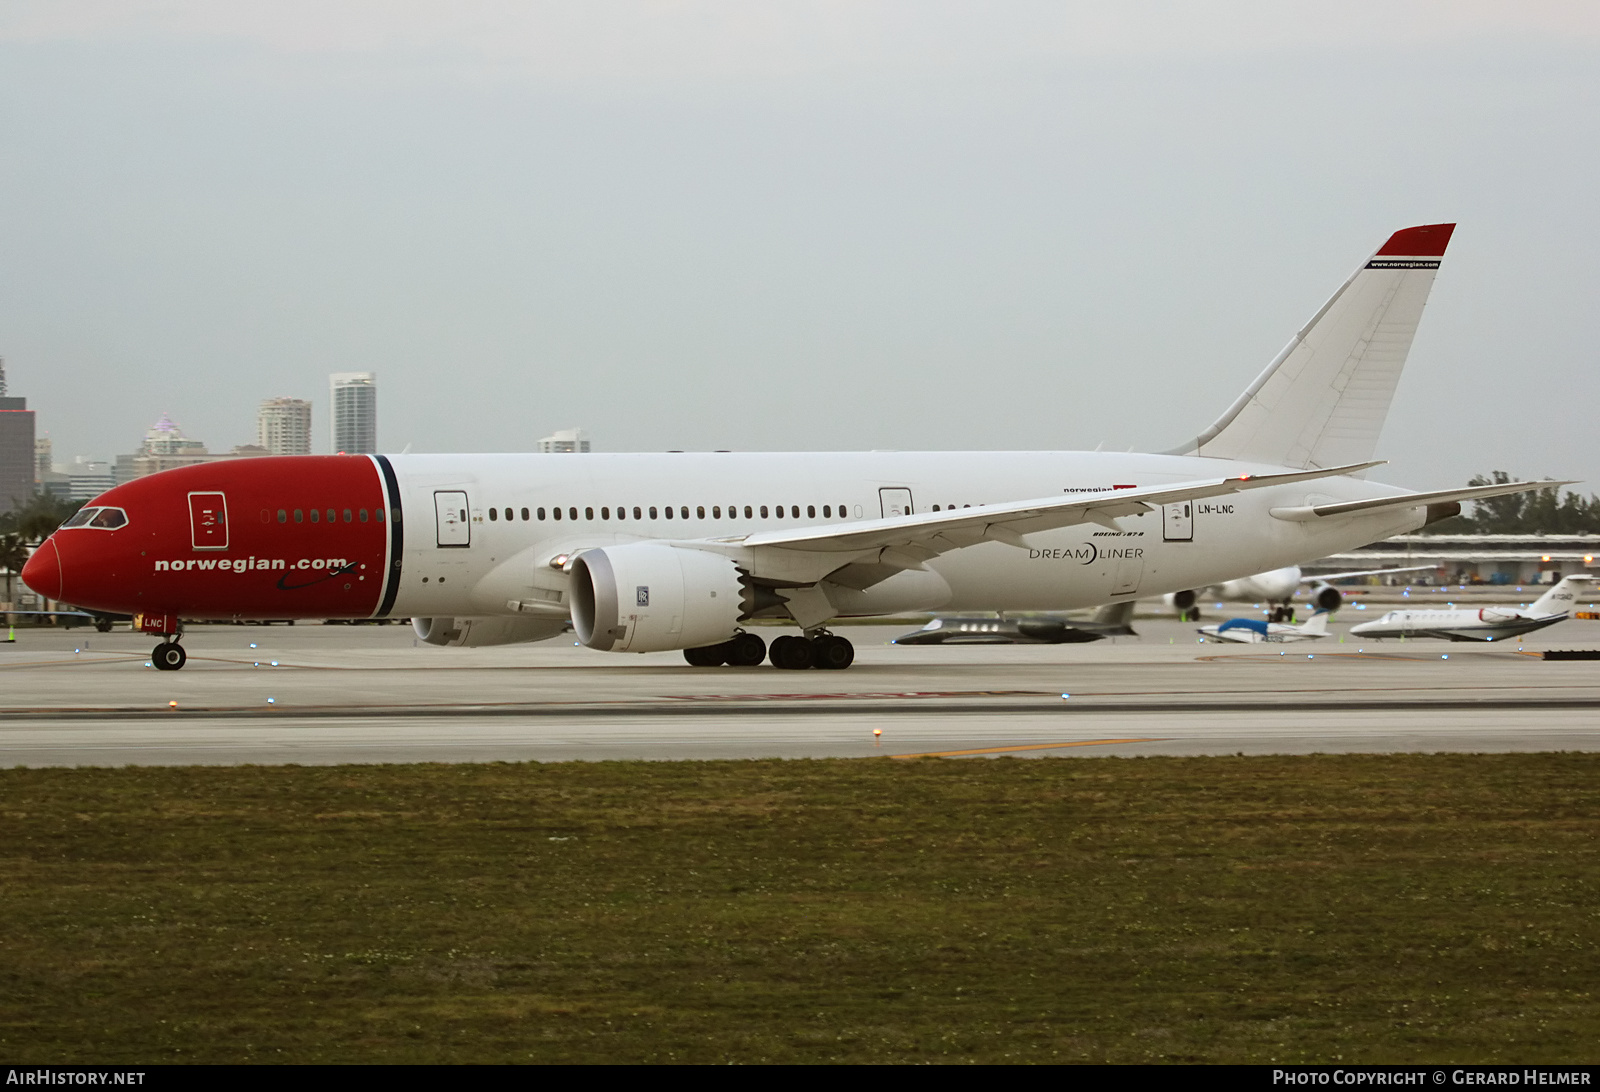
(1474, 559)
(283, 426)
(18, 465)
(353, 412)
(165, 447)
(564, 441)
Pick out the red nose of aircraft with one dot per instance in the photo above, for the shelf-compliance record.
(42, 573)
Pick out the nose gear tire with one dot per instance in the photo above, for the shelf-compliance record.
(169, 656)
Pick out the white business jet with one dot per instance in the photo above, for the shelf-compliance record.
(1484, 624)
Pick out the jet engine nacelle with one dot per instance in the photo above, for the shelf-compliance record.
(478, 632)
(651, 597)
(1182, 600)
(1498, 614)
(1327, 597)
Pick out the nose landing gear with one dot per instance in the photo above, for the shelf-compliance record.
(169, 656)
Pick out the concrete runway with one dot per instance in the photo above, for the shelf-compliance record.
(316, 694)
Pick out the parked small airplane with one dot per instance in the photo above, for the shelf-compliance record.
(1277, 587)
(1252, 631)
(1110, 620)
(1484, 624)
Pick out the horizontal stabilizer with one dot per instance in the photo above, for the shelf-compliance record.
(1410, 500)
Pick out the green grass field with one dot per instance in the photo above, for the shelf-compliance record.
(1354, 908)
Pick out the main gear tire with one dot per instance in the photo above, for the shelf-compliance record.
(790, 653)
(831, 653)
(746, 650)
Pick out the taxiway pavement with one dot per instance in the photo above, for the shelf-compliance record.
(316, 694)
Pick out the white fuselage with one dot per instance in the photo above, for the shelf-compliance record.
(1489, 624)
(491, 565)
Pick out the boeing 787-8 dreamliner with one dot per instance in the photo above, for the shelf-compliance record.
(654, 552)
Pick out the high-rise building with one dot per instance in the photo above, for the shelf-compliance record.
(165, 447)
(43, 457)
(166, 438)
(564, 440)
(18, 469)
(353, 412)
(283, 426)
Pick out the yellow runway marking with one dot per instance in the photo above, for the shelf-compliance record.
(1029, 747)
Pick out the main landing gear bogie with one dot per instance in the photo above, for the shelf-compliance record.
(741, 650)
(824, 651)
(169, 656)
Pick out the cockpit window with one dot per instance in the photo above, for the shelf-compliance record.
(104, 519)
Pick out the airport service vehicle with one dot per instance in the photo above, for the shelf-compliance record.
(1254, 631)
(660, 552)
(1277, 587)
(1111, 620)
(1484, 624)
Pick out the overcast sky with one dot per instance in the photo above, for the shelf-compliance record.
(790, 226)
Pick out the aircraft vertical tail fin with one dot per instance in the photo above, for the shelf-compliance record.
(1323, 401)
(1561, 597)
(1317, 623)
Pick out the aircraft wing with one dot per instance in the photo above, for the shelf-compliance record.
(876, 549)
(1012, 519)
(1411, 500)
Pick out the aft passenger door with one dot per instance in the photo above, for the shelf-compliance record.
(451, 512)
(895, 502)
(1177, 522)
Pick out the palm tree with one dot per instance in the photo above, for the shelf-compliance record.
(13, 555)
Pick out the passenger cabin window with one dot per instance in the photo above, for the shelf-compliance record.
(572, 513)
(605, 513)
(363, 514)
(316, 516)
(378, 512)
(524, 515)
(299, 515)
(588, 513)
(668, 511)
(827, 511)
(494, 514)
(652, 513)
(763, 511)
(636, 514)
(540, 514)
(556, 512)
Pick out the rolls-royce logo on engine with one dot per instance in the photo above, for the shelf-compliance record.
(641, 595)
